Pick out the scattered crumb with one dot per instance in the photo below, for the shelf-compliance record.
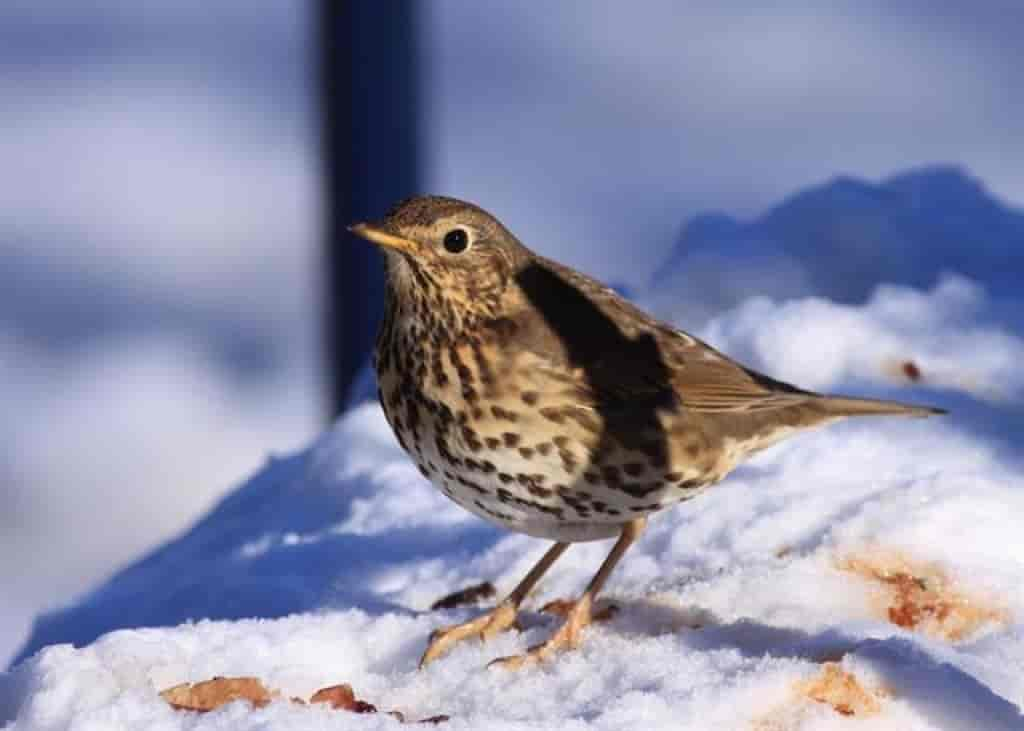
(342, 698)
(833, 686)
(911, 372)
(906, 371)
(469, 595)
(921, 597)
(841, 690)
(211, 694)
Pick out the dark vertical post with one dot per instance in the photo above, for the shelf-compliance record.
(369, 89)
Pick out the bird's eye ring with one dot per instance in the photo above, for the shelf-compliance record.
(456, 241)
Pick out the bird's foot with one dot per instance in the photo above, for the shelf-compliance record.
(577, 615)
(486, 626)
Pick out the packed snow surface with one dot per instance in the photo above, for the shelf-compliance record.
(891, 548)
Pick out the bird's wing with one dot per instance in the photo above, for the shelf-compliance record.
(677, 370)
(708, 381)
(616, 356)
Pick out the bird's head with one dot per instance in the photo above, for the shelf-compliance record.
(446, 258)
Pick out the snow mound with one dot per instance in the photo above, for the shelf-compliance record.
(840, 239)
(872, 570)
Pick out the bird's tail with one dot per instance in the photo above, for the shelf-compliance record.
(846, 406)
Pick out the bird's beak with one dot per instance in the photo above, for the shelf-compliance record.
(381, 237)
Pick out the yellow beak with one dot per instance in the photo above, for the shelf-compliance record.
(382, 238)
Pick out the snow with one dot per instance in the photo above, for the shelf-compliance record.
(727, 604)
(862, 343)
(185, 208)
(844, 237)
(173, 253)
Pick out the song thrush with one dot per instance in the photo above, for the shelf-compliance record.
(539, 399)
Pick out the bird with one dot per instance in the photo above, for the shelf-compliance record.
(541, 400)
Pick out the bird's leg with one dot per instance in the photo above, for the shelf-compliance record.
(580, 614)
(495, 621)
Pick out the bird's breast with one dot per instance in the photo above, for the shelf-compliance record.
(522, 450)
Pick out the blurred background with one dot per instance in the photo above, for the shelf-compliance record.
(174, 176)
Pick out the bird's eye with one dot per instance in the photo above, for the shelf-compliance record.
(456, 241)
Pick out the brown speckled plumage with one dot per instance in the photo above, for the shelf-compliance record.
(541, 400)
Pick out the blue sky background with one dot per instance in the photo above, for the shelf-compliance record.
(160, 213)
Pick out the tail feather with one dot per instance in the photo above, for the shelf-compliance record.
(847, 406)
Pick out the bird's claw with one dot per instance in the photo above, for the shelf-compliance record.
(486, 626)
(578, 615)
